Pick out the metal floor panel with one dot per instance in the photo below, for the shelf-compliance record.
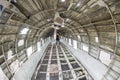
(59, 64)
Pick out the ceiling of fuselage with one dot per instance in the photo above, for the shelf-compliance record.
(87, 18)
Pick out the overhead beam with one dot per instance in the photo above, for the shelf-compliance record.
(8, 33)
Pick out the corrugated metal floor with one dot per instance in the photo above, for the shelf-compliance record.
(59, 64)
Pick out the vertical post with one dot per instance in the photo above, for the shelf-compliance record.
(55, 33)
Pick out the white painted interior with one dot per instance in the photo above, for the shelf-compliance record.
(75, 44)
(29, 51)
(24, 31)
(9, 54)
(105, 57)
(70, 42)
(20, 42)
(14, 66)
(85, 47)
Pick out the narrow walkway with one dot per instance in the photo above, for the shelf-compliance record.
(59, 64)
